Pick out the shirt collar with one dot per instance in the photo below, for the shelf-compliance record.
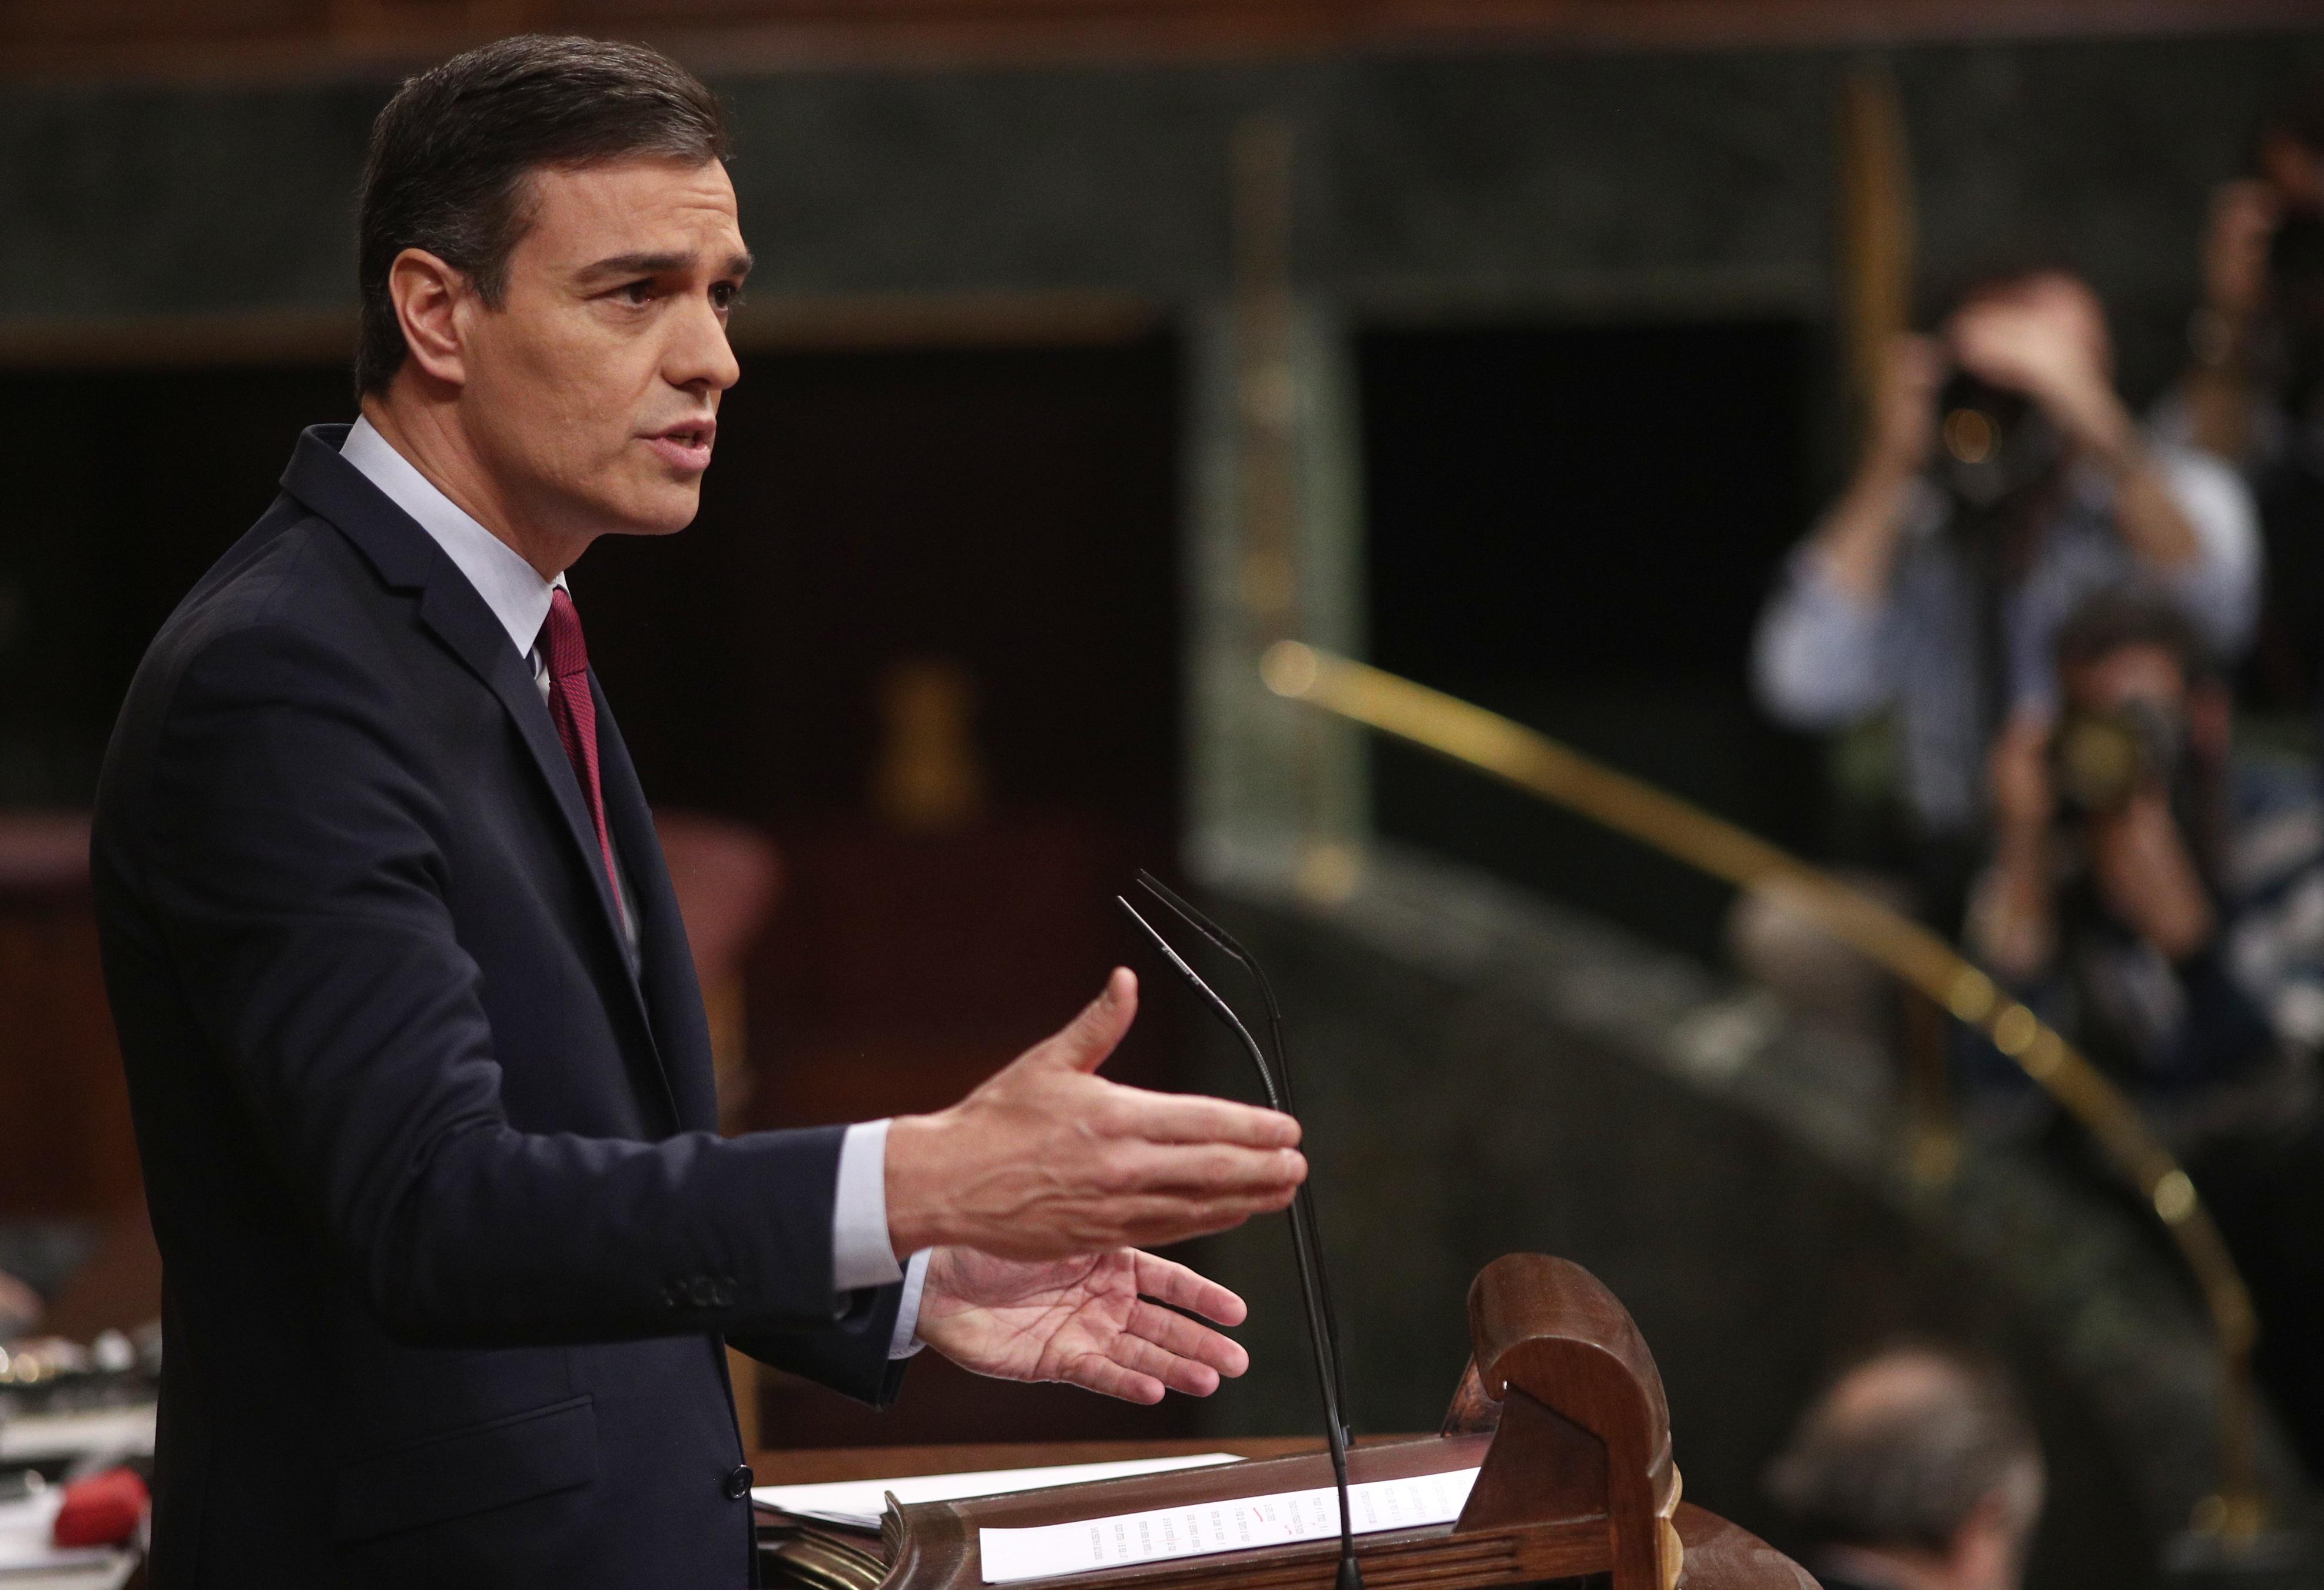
(511, 586)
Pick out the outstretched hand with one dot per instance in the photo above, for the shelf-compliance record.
(1047, 1161)
(1086, 1320)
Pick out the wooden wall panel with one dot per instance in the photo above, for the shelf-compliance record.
(306, 38)
(66, 1147)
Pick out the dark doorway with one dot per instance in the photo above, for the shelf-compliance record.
(1575, 526)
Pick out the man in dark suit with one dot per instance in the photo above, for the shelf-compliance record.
(421, 1073)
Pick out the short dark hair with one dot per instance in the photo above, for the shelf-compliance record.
(2130, 615)
(451, 156)
(1906, 1470)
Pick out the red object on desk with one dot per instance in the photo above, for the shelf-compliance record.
(102, 1510)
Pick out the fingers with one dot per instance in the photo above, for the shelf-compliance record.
(1140, 1369)
(1177, 1117)
(1084, 1042)
(1135, 1165)
(1181, 1337)
(1093, 1373)
(1159, 1220)
(1168, 1281)
(1143, 1357)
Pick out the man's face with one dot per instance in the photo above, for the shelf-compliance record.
(594, 388)
(2150, 676)
(2128, 719)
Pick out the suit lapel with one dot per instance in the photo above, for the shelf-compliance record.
(452, 609)
(408, 559)
(666, 972)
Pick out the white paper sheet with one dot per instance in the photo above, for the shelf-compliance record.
(36, 1437)
(27, 1541)
(858, 1503)
(1205, 1529)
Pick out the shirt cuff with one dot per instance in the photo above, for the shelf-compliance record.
(906, 1340)
(861, 1253)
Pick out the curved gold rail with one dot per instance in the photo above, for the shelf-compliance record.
(1489, 742)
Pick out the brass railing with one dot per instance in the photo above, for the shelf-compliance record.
(1486, 740)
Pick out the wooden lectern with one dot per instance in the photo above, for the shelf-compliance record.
(1561, 1410)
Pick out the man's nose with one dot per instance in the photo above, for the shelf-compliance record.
(700, 355)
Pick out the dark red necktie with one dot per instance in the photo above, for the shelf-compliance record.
(575, 712)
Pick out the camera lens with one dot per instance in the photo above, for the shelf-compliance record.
(1970, 435)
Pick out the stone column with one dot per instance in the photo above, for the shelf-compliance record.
(1276, 520)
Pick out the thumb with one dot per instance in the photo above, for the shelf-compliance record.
(1084, 1042)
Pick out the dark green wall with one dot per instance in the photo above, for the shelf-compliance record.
(1594, 183)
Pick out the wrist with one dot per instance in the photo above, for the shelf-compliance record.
(2104, 428)
(915, 1210)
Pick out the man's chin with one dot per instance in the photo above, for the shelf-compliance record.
(664, 508)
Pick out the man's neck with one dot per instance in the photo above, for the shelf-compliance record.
(431, 440)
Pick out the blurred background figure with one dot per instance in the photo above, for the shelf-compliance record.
(2253, 391)
(19, 1306)
(1915, 1471)
(2159, 899)
(2003, 479)
(2150, 894)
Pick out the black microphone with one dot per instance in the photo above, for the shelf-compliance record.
(1314, 1288)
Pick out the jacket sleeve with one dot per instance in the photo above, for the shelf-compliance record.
(289, 872)
(851, 1356)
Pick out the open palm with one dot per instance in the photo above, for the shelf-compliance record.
(1095, 1321)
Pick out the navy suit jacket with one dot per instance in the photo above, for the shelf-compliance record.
(450, 1242)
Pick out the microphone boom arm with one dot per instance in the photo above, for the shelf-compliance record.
(1307, 1249)
(1226, 944)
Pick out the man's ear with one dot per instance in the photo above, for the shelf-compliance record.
(429, 297)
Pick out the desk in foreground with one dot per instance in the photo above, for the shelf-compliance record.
(1561, 1411)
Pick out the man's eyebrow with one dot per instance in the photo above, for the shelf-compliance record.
(657, 264)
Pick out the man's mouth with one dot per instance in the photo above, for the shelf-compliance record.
(686, 444)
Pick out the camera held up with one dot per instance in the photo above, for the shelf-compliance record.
(2099, 759)
(1994, 446)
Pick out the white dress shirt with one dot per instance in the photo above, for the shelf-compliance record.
(861, 1252)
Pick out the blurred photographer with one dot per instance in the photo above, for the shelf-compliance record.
(2253, 393)
(2111, 903)
(2002, 482)
(2161, 903)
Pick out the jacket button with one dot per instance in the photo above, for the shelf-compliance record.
(738, 1484)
